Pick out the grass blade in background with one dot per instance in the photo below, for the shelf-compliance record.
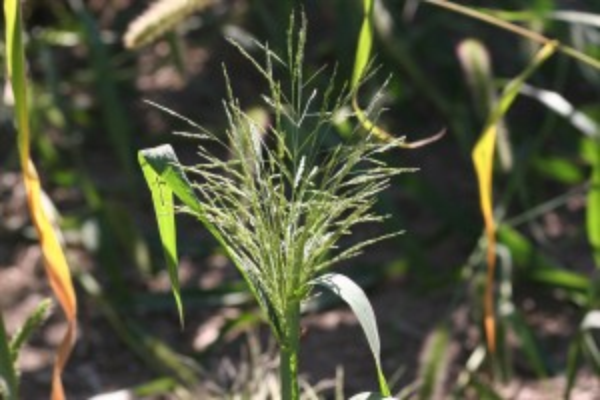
(9, 350)
(476, 64)
(483, 389)
(568, 16)
(352, 294)
(573, 361)
(555, 102)
(524, 32)
(116, 121)
(398, 48)
(361, 62)
(33, 322)
(434, 365)
(511, 320)
(9, 384)
(55, 262)
(593, 209)
(364, 45)
(540, 268)
(483, 159)
(154, 352)
(578, 347)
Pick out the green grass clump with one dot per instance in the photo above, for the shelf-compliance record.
(282, 201)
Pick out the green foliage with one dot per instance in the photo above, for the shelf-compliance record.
(157, 165)
(9, 349)
(114, 116)
(352, 294)
(35, 320)
(9, 385)
(364, 45)
(281, 202)
(149, 348)
(583, 344)
(593, 214)
(434, 364)
(85, 87)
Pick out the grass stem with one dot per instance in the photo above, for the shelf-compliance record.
(289, 353)
(516, 29)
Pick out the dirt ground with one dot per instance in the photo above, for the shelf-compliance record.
(102, 363)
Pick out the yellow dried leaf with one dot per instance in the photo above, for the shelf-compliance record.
(483, 158)
(55, 262)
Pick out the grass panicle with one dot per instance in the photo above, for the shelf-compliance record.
(283, 200)
(161, 17)
(281, 211)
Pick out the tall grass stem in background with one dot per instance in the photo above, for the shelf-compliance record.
(283, 200)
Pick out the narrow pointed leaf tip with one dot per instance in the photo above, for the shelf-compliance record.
(361, 62)
(365, 43)
(164, 176)
(356, 298)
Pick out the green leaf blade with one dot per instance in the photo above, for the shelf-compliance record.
(33, 322)
(365, 43)
(356, 298)
(163, 176)
(9, 383)
(593, 213)
(435, 364)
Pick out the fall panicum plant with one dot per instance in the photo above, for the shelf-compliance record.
(282, 201)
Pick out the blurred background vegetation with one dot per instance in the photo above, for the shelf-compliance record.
(89, 120)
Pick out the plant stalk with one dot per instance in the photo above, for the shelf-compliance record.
(289, 352)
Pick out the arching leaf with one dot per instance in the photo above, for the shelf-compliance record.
(356, 298)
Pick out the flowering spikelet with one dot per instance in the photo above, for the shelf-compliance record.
(160, 18)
